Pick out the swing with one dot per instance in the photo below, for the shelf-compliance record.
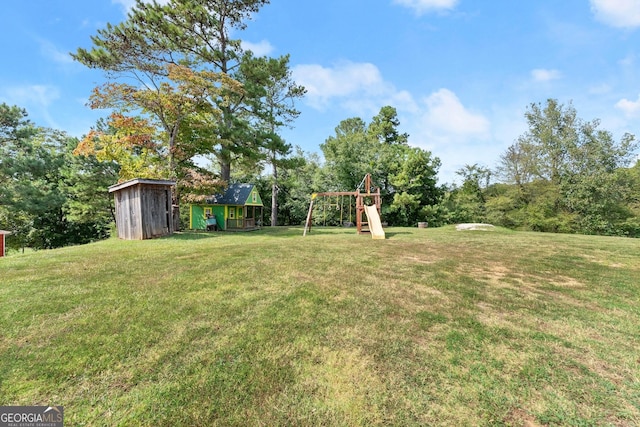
(327, 210)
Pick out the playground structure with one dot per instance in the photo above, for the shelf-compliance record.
(367, 208)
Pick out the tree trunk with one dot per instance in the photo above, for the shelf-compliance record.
(225, 170)
(274, 198)
(274, 205)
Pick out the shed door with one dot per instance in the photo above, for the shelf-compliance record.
(157, 212)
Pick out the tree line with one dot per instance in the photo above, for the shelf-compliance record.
(50, 197)
(562, 175)
(179, 87)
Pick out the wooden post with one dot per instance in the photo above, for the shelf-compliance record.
(307, 224)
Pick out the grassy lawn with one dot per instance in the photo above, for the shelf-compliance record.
(428, 327)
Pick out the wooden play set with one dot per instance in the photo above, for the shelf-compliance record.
(367, 208)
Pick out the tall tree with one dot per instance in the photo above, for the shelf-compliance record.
(191, 33)
(36, 173)
(273, 108)
(553, 131)
(517, 164)
(406, 175)
(414, 185)
(388, 151)
(347, 154)
(568, 172)
(384, 127)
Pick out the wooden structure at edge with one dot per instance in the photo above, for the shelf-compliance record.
(373, 193)
(3, 245)
(143, 208)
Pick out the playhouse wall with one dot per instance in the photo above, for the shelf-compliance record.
(219, 213)
(199, 217)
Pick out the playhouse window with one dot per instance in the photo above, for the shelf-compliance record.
(254, 197)
(207, 211)
(232, 213)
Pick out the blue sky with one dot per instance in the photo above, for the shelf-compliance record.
(460, 72)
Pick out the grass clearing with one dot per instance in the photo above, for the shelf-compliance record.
(429, 327)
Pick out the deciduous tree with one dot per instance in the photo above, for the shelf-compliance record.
(191, 33)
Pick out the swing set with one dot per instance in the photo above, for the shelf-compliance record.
(367, 204)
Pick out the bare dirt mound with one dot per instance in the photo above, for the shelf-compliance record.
(474, 226)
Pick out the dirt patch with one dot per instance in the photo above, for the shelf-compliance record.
(474, 227)
(520, 417)
(566, 282)
(497, 275)
(417, 259)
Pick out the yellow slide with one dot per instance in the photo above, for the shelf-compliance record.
(375, 226)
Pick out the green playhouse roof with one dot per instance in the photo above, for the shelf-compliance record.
(236, 194)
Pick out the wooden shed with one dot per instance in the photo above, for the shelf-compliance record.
(143, 208)
(3, 245)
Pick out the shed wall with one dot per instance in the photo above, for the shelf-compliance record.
(156, 211)
(143, 211)
(128, 218)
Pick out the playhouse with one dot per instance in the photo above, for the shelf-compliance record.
(238, 208)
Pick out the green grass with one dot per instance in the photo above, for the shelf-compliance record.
(429, 327)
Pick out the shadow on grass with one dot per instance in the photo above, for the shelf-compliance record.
(391, 234)
(280, 231)
(320, 229)
(192, 235)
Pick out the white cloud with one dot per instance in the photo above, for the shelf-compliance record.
(445, 117)
(127, 5)
(344, 79)
(451, 131)
(36, 98)
(38, 95)
(628, 61)
(617, 13)
(424, 6)
(348, 81)
(49, 50)
(544, 75)
(439, 122)
(262, 48)
(601, 89)
(630, 108)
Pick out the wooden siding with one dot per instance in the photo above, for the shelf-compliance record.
(143, 211)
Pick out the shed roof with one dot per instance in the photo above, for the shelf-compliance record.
(136, 181)
(235, 194)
